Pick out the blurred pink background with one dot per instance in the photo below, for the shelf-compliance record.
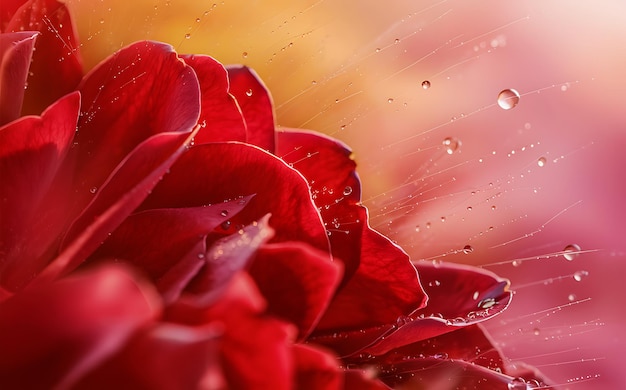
(354, 70)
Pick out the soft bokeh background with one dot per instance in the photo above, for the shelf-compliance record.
(512, 186)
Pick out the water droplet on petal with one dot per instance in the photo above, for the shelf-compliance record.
(244, 54)
(451, 144)
(508, 99)
(571, 297)
(475, 295)
(579, 275)
(536, 331)
(486, 303)
(467, 249)
(403, 320)
(347, 191)
(249, 93)
(390, 100)
(517, 384)
(425, 84)
(571, 252)
(225, 225)
(224, 213)
(93, 190)
(187, 36)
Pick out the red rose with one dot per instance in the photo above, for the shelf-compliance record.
(157, 233)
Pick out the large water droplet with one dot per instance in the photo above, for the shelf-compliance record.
(541, 161)
(487, 303)
(579, 275)
(571, 251)
(451, 144)
(425, 84)
(517, 384)
(508, 99)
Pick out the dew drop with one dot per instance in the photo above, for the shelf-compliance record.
(536, 331)
(347, 191)
(451, 144)
(425, 84)
(467, 249)
(187, 36)
(571, 251)
(403, 320)
(517, 384)
(516, 263)
(487, 303)
(197, 20)
(244, 54)
(390, 100)
(249, 93)
(102, 21)
(579, 275)
(508, 99)
(200, 255)
(224, 213)
(225, 225)
(475, 295)
(571, 297)
(541, 161)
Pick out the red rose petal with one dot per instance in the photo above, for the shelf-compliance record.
(120, 195)
(221, 117)
(16, 50)
(52, 335)
(315, 369)
(297, 281)
(256, 105)
(154, 240)
(31, 151)
(165, 357)
(469, 344)
(57, 67)
(381, 283)
(435, 373)
(212, 173)
(256, 349)
(336, 190)
(138, 92)
(458, 296)
(225, 258)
